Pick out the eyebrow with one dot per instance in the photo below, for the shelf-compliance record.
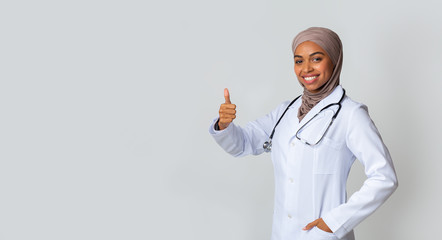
(311, 54)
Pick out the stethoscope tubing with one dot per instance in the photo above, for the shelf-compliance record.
(268, 144)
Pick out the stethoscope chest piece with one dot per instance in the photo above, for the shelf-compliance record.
(267, 146)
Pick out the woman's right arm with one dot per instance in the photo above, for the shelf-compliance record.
(236, 140)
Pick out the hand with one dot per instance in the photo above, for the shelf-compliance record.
(319, 223)
(227, 111)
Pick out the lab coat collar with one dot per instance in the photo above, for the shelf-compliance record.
(334, 97)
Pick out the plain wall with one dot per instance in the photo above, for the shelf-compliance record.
(105, 107)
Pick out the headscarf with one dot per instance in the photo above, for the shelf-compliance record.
(330, 42)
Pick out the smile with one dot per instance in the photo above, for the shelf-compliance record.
(310, 79)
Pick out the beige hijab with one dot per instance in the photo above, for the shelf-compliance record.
(330, 42)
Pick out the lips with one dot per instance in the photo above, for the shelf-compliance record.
(311, 78)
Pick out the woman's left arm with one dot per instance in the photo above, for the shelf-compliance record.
(365, 142)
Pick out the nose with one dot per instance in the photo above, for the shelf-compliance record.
(307, 67)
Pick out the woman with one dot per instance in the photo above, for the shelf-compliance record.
(315, 142)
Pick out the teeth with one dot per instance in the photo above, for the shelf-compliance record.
(310, 78)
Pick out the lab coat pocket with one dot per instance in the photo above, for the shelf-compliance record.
(326, 156)
(323, 235)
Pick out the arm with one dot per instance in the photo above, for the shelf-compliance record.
(239, 141)
(365, 142)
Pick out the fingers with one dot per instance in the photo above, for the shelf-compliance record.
(224, 118)
(319, 223)
(225, 121)
(227, 95)
(311, 225)
(227, 111)
(323, 226)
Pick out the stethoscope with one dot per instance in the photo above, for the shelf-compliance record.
(268, 144)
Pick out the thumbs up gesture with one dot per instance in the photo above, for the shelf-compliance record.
(227, 111)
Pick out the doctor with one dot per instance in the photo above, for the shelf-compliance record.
(314, 141)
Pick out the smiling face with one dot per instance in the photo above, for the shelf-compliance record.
(313, 67)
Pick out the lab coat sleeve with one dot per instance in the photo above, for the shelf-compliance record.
(365, 142)
(241, 141)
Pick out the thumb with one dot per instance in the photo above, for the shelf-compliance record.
(311, 225)
(227, 95)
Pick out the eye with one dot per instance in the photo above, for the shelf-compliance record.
(298, 61)
(316, 59)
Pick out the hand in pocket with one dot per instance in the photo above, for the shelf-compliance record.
(319, 223)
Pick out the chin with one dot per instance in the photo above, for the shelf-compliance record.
(312, 89)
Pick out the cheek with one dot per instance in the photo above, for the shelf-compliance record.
(325, 69)
(328, 68)
(296, 69)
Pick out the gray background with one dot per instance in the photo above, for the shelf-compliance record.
(105, 106)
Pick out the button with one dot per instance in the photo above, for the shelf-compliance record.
(289, 216)
(291, 180)
(293, 144)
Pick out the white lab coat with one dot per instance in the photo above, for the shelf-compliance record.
(310, 182)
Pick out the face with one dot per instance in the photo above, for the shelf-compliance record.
(313, 67)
